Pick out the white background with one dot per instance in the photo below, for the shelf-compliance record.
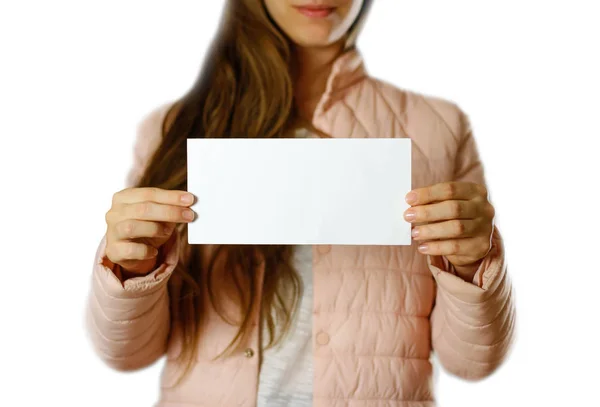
(77, 76)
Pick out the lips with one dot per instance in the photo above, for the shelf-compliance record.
(315, 11)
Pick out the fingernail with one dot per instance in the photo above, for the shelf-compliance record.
(415, 232)
(187, 198)
(410, 215)
(411, 198)
(188, 214)
(423, 247)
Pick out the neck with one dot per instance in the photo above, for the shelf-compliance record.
(313, 69)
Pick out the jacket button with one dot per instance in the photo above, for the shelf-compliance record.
(249, 353)
(322, 338)
(324, 249)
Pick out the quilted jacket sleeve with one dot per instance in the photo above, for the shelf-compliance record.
(473, 323)
(128, 322)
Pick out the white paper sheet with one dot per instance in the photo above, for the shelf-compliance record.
(299, 191)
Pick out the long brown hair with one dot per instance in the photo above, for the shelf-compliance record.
(245, 89)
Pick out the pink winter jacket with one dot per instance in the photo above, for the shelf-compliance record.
(379, 312)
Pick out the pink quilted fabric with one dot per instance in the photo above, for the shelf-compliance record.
(379, 312)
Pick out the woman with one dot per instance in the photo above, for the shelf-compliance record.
(301, 326)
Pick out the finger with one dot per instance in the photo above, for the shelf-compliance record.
(445, 191)
(124, 250)
(450, 229)
(442, 211)
(162, 196)
(158, 212)
(471, 246)
(133, 229)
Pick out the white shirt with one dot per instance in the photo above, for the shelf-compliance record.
(286, 374)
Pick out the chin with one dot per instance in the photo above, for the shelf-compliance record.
(312, 43)
(314, 38)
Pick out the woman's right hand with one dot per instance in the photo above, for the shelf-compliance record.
(140, 221)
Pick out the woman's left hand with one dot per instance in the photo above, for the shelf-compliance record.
(455, 219)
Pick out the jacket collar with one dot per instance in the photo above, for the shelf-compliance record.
(347, 70)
